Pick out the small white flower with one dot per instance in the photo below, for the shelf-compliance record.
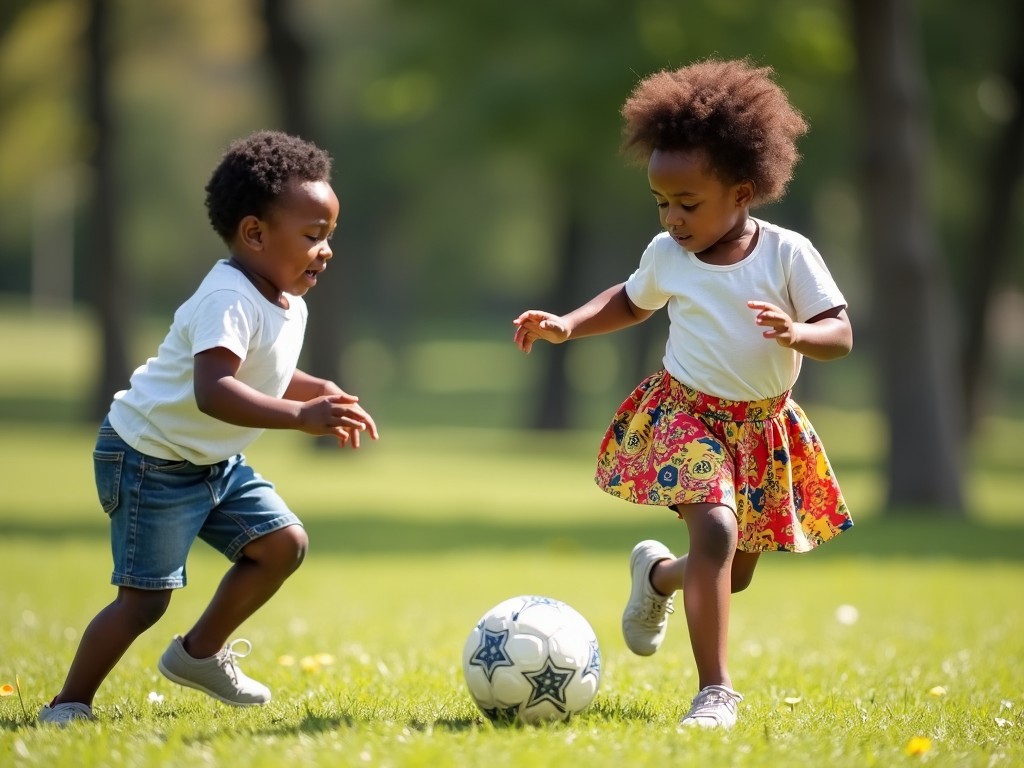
(155, 698)
(1003, 722)
(847, 615)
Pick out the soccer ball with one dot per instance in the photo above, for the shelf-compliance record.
(532, 659)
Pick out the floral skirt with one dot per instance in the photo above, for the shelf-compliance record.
(670, 445)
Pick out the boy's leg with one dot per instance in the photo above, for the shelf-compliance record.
(106, 639)
(253, 579)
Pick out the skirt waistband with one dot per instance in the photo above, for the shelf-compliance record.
(722, 409)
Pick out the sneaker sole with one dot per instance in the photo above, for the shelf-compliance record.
(196, 686)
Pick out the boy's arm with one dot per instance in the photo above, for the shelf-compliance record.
(220, 395)
(304, 386)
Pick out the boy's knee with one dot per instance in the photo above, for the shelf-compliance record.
(145, 608)
(284, 549)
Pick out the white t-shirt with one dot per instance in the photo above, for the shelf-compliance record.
(713, 344)
(157, 414)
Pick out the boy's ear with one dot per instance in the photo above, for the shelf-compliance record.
(250, 232)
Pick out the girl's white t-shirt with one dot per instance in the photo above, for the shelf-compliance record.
(158, 416)
(713, 344)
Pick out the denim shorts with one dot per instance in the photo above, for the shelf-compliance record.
(157, 508)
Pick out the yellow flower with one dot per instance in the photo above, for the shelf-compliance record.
(6, 689)
(918, 745)
(938, 691)
(309, 664)
(325, 659)
(286, 661)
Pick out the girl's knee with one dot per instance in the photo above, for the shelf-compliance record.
(715, 531)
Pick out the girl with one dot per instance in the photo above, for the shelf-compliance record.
(715, 435)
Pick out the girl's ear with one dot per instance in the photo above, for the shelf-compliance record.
(745, 194)
(250, 232)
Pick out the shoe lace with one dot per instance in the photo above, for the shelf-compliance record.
(655, 610)
(707, 702)
(228, 654)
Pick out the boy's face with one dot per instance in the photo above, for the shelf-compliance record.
(288, 248)
(694, 206)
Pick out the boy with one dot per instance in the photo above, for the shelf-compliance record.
(168, 459)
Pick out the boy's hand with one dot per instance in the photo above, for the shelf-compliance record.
(339, 415)
(536, 325)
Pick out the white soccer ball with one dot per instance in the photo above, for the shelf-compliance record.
(532, 659)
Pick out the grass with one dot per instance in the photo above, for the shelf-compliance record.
(416, 536)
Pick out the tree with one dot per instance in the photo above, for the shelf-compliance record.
(109, 292)
(289, 61)
(911, 307)
(994, 228)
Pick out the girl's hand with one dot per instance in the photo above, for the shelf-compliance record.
(781, 326)
(535, 325)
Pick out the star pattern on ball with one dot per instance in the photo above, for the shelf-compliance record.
(491, 653)
(549, 684)
(594, 662)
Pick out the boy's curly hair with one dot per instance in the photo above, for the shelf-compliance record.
(731, 110)
(253, 172)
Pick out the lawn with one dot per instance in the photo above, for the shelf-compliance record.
(414, 537)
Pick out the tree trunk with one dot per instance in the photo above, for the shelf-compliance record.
(555, 398)
(994, 227)
(108, 282)
(911, 308)
(289, 63)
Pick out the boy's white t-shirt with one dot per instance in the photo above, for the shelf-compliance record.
(713, 344)
(158, 416)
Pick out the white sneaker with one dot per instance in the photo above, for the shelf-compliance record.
(64, 714)
(646, 616)
(713, 707)
(218, 675)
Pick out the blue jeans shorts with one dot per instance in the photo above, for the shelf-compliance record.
(157, 508)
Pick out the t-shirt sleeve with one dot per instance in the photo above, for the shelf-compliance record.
(642, 287)
(223, 319)
(811, 286)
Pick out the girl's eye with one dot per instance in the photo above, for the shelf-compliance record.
(687, 207)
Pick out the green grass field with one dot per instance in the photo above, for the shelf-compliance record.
(414, 537)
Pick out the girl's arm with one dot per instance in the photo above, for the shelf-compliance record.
(826, 336)
(609, 311)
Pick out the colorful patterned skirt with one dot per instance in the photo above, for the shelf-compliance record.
(670, 445)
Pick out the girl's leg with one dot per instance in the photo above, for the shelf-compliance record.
(668, 576)
(106, 639)
(252, 580)
(707, 586)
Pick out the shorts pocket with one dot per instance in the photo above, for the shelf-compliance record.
(107, 467)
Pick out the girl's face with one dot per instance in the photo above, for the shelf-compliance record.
(289, 248)
(703, 215)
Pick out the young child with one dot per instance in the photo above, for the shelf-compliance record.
(715, 435)
(168, 459)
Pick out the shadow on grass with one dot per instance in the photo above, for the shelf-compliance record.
(916, 537)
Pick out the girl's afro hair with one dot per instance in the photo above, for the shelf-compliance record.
(731, 110)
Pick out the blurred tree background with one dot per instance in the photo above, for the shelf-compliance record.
(476, 157)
